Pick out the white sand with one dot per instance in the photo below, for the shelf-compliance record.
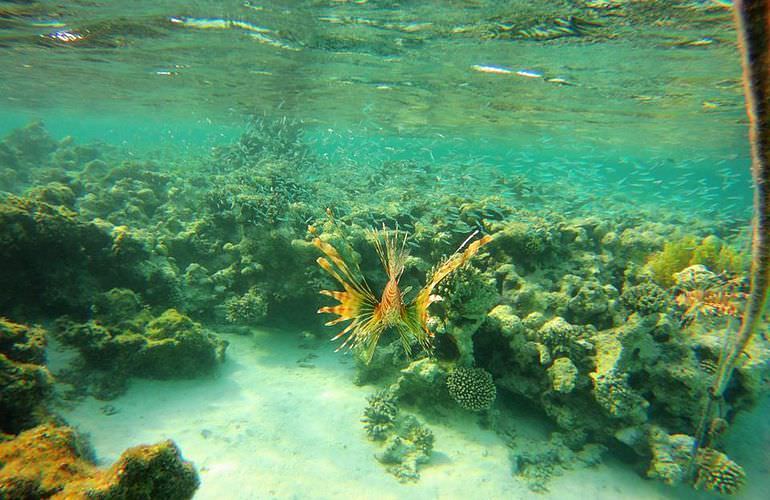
(265, 427)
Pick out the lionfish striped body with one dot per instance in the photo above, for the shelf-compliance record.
(369, 316)
(709, 302)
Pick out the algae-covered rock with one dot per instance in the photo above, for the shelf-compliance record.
(53, 263)
(52, 462)
(178, 347)
(422, 383)
(563, 375)
(167, 346)
(25, 384)
(670, 456)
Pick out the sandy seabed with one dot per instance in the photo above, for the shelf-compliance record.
(281, 419)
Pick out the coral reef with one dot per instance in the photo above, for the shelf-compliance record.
(50, 462)
(472, 388)
(581, 313)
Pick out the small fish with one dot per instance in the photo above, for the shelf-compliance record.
(495, 70)
(559, 81)
(529, 73)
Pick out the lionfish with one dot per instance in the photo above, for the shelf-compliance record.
(369, 316)
(716, 300)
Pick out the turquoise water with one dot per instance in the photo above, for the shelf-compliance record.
(166, 166)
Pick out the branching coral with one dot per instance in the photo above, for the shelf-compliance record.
(536, 462)
(407, 442)
(380, 416)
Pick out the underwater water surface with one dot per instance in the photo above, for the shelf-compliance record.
(531, 220)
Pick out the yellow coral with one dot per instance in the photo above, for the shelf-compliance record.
(711, 252)
(674, 257)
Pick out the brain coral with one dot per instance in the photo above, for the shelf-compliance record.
(472, 388)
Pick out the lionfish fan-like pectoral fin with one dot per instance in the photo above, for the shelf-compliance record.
(405, 334)
(371, 346)
(364, 332)
(425, 296)
(356, 303)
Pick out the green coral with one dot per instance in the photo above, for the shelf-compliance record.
(468, 294)
(563, 375)
(675, 256)
(558, 338)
